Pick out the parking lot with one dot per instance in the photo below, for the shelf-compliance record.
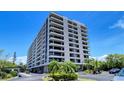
(104, 76)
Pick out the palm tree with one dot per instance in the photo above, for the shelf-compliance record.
(89, 63)
(1, 51)
(54, 66)
(115, 60)
(68, 67)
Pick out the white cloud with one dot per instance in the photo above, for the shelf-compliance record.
(22, 59)
(100, 58)
(118, 24)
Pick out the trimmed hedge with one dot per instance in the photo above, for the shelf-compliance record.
(5, 75)
(13, 73)
(9, 76)
(64, 76)
(88, 71)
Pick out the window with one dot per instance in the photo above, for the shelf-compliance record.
(38, 59)
(75, 32)
(50, 47)
(38, 63)
(78, 60)
(71, 45)
(77, 50)
(50, 41)
(71, 55)
(76, 41)
(86, 56)
(72, 50)
(75, 36)
(50, 53)
(72, 60)
(71, 40)
(70, 35)
(77, 55)
(70, 30)
(77, 46)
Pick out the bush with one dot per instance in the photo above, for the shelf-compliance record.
(88, 71)
(64, 76)
(3, 75)
(13, 73)
(9, 76)
(27, 72)
(47, 78)
(6, 70)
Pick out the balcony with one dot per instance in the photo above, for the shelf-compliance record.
(56, 16)
(72, 31)
(84, 38)
(72, 27)
(85, 43)
(56, 37)
(83, 28)
(56, 26)
(55, 29)
(56, 48)
(59, 40)
(52, 19)
(56, 33)
(56, 54)
(56, 42)
(57, 59)
(86, 56)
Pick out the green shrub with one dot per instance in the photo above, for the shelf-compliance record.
(3, 75)
(56, 76)
(9, 76)
(72, 76)
(47, 78)
(64, 76)
(88, 71)
(27, 72)
(13, 73)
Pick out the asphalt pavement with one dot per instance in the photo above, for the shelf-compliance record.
(28, 77)
(104, 76)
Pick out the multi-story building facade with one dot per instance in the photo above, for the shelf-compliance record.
(61, 39)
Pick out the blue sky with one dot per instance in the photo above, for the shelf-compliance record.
(105, 29)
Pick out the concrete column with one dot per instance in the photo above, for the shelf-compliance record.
(66, 41)
(80, 45)
(47, 37)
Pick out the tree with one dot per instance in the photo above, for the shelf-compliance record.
(115, 61)
(1, 52)
(14, 57)
(96, 65)
(6, 64)
(68, 67)
(22, 67)
(88, 63)
(62, 70)
(54, 66)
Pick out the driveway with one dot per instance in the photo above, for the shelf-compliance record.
(28, 77)
(104, 76)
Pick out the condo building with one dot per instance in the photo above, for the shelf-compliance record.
(61, 39)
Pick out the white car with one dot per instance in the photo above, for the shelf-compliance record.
(119, 76)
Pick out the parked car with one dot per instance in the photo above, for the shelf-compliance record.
(114, 70)
(97, 72)
(119, 76)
